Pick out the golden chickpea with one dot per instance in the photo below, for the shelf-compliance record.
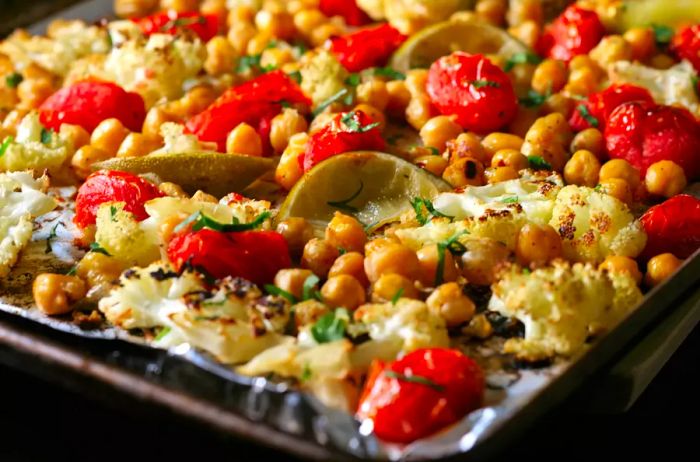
(309, 311)
(560, 103)
(345, 232)
(221, 56)
(374, 92)
(509, 158)
(181, 6)
(586, 62)
(352, 264)
(498, 174)
(156, 117)
(240, 34)
(214, 7)
(108, 136)
(375, 115)
(398, 98)
(258, 43)
(391, 257)
(12, 120)
(309, 19)
(549, 138)
(618, 188)
(389, 285)
(318, 256)
(620, 264)
(172, 190)
(483, 259)
(590, 139)
(434, 164)
(582, 169)
(496, 141)
(76, 134)
(292, 280)
(288, 170)
(33, 92)
(416, 79)
(665, 178)
(550, 76)
(419, 111)
(662, 61)
(201, 196)
(55, 293)
(429, 258)
(322, 33)
(537, 245)
(297, 232)
(492, 11)
(611, 49)
(285, 125)
(525, 10)
(528, 32)
(343, 290)
(84, 158)
(466, 145)
(449, 302)
(439, 130)
(137, 145)
(642, 41)
(276, 57)
(275, 24)
(464, 172)
(134, 8)
(660, 268)
(620, 168)
(240, 13)
(244, 140)
(96, 268)
(582, 81)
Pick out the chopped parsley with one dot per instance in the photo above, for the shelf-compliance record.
(330, 327)
(694, 81)
(397, 296)
(112, 213)
(296, 76)
(182, 22)
(420, 203)
(72, 271)
(96, 247)
(163, 332)
(485, 83)
(6, 144)
(344, 93)
(455, 247)
(586, 114)
(414, 379)
(533, 99)
(46, 136)
(521, 58)
(433, 150)
(538, 163)
(247, 63)
(309, 291)
(52, 235)
(274, 290)
(662, 35)
(598, 188)
(353, 80)
(305, 373)
(511, 200)
(388, 72)
(345, 203)
(353, 124)
(201, 221)
(13, 80)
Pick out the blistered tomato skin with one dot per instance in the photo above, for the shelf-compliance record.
(686, 45)
(88, 103)
(673, 226)
(644, 133)
(420, 394)
(367, 47)
(348, 9)
(601, 104)
(253, 255)
(478, 92)
(171, 22)
(112, 186)
(575, 32)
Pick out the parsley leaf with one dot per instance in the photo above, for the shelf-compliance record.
(296, 76)
(397, 296)
(418, 203)
(511, 200)
(52, 235)
(305, 373)
(353, 124)
(112, 213)
(96, 247)
(538, 163)
(274, 290)
(309, 291)
(414, 379)
(586, 114)
(455, 247)
(345, 203)
(163, 332)
(353, 80)
(6, 144)
(526, 57)
(332, 99)
(46, 136)
(13, 80)
(329, 327)
(247, 63)
(662, 35)
(388, 72)
(201, 221)
(485, 83)
(533, 99)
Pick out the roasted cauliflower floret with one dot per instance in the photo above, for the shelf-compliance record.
(34, 147)
(561, 306)
(594, 225)
(176, 140)
(410, 15)
(122, 236)
(322, 76)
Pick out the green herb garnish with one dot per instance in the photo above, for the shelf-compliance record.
(419, 203)
(246, 63)
(6, 144)
(13, 80)
(538, 163)
(345, 203)
(296, 76)
(46, 136)
(200, 221)
(662, 35)
(353, 80)
(521, 58)
(414, 379)
(182, 22)
(455, 247)
(329, 327)
(397, 296)
(274, 290)
(332, 99)
(533, 99)
(353, 124)
(305, 373)
(163, 332)
(586, 114)
(309, 291)
(433, 150)
(52, 235)
(96, 247)
(511, 200)
(388, 72)
(112, 213)
(485, 83)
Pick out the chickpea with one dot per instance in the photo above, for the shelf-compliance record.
(352, 264)
(108, 136)
(509, 158)
(660, 268)
(375, 115)
(416, 80)
(284, 126)
(483, 259)
(345, 232)
(76, 134)
(297, 232)
(439, 130)
(276, 57)
(611, 49)
(318, 256)
(257, 44)
(492, 11)
(323, 32)
(642, 42)
(181, 6)
(374, 92)
(275, 24)
(134, 8)
(618, 188)
(449, 302)
(429, 258)
(464, 172)
(537, 245)
(292, 280)
(288, 170)
(419, 111)
(434, 164)
(221, 56)
(33, 92)
(55, 293)
(307, 20)
(96, 268)
(398, 98)
(582, 81)
(240, 13)
(528, 32)
(308, 312)
(137, 145)
(662, 61)
(550, 76)
(84, 158)
(391, 257)
(389, 285)
(665, 178)
(156, 117)
(343, 290)
(549, 137)
(523, 120)
(214, 7)
(617, 263)
(172, 190)
(590, 139)
(620, 168)
(496, 141)
(582, 169)
(244, 140)
(466, 145)
(201, 196)
(560, 103)
(240, 34)
(499, 174)
(524, 11)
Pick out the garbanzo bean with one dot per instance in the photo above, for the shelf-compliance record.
(55, 293)
(33, 92)
(345, 232)
(84, 157)
(618, 188)
(308, 19)
(155, 117)
(240, 13)
(352, 264)
(642, 41)
(429, 259)
(134, 8)
(449, 302)
(416, 79)
(419, 111)
(590, 139)
(482, 260)
(537, 244)
(617, 263)
(498, 174)
(438, 131)
(172, 190)
(285, 125)
(665, 178)
(582, 81)
(309, 311)
(398, 98)
(323, 32)
(467, 145)
(390, 285)
(494, 142)
(297, 232)
(276, 57)
(180, 6)
(137, 145)
(279, 24)
(560, 103)
(434, 164)
(343, 290)
(528, 32)
(75, 134)
(492, 11)
(96, 268)
(391, 257)
(611, 49)
(244, 140)
(221, 56)
(620, 168)
(201, 196)
(464, 172)
(108, 136)
(550, 76)
(374, 114)
(549, 138)
(292, 280)
(660, 268)
(240, 34)
(525, 10)
(509, 158)
(288, 170)
(318, 256)
(582, 169)
(374, 92)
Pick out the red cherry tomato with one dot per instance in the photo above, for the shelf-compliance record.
(206, 26)
(112, 186)
(348, 9)
(88, 103)
(349, 131)
(575, 32)
(420, 394)
(645, 133)
(673, 226)
(600, 105)
(253, 255)
(255, 102)
(367, 47)
(686, 45)
(478, 92)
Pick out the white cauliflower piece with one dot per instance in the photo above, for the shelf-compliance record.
(34, 147)
(561, 306)
(594, 225)
(409, 15)
(22, 198)
(225, 320)
(121, 235)
(322, 76)
(433, 232)
(176, 140)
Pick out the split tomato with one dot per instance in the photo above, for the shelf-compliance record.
(574, 32)
(673, 226)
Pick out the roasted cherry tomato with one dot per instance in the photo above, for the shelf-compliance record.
(478, 92)
(112, 186)
(348, 9)
(88, 103)
(255, 102)
(253, 255)
(367, 47)
(595, 111)
(645, 133)
(686, 45)
(171, 22)
(421, 393)
(673, 226)
(349, 131)
(575, 32)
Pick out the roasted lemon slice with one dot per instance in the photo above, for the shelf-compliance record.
(214, 173)
(373, 187)
(642, 13)
(433, 42)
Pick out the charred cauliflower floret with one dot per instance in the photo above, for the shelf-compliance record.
(322, 76)
(34, 147)
(121, 235)
(594, 225)
(561, 306)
